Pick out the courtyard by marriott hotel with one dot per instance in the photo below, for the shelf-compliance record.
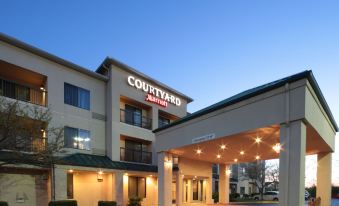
(127, 135)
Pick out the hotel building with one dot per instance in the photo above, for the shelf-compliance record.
(127, 134)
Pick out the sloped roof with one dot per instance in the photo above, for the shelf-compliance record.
(89, 160)
(257, 91)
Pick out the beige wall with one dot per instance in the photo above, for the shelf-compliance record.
(24, 189)
(118, 87)
(88, 191)
(64, 114)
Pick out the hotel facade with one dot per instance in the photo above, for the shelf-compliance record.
(127, 134)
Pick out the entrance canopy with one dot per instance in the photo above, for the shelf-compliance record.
(257, 113)
(286, 119)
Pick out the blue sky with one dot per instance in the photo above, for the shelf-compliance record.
(209, 50)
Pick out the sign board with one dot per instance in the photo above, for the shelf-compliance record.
(154, 94)
(203, 138)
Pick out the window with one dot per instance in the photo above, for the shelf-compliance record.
(14, 91)
(77, 138)
(137, 187)
(133, 115)
(163, 121)
(135, 152)
(76, 96)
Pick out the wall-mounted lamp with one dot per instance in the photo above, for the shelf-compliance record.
(100, 177)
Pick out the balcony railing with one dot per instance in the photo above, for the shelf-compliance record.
(136, 119)
(23, 93)
(131, 155)
(33, 145)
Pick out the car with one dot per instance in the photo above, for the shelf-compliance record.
(271, 195)
(274, 195)
(307, 195)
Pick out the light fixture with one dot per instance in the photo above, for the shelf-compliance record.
(99, 176)
(228, 172)
(70, 171)
(195, 177)
(277, 147)
(257, 140)
(242, 152)
(235, 160)
(223, 146)
(150, 175)
(199, 151)
(218, 156)
(257, 157)
(126, 174)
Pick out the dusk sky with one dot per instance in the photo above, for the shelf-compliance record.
(209, 50)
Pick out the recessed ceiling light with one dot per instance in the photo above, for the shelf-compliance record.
(235, 160)
(242, 152)
(199, 151)
(257, 140)
(218, 156)
(257, 157)
(223, 146)
(277, 147)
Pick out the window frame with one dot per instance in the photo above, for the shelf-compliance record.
(78, 131)
(137, 186)
(80, 94)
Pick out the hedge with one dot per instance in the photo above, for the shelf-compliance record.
(107, 203)
(63, 203)
(2, 203)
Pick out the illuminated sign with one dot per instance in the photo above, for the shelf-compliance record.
(154, 94)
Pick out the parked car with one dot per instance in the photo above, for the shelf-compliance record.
(307, 195)
(272, 195)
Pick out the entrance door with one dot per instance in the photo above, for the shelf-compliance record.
(197, 190)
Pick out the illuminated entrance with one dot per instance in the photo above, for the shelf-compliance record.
(286, 119)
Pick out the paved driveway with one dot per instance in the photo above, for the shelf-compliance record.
(335, 202)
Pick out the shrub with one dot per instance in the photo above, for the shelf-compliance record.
(63, 203)
(215, 196)
(2, 203)
(134, 201)
(107, 203)
(234, 196)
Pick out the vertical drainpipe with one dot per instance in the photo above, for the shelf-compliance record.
(287, 127)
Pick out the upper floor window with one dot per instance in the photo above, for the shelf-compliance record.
(76, 96)
(163, 121)
(133, 115)
(77, 138)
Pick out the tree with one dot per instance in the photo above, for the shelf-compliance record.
(27, 137)
(262, 174)
(255, 172)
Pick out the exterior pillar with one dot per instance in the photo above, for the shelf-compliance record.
(60, 183)
(324, 178)
(292, 164)
(120, 188)
(179, 189)
(209, 188)
(224, 184)
(165, 167)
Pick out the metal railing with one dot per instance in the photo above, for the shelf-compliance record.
(33, 145)
(131, 155)
(136, 119)
(23, 93)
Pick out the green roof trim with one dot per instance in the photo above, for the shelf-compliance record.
(97, 161)
(257, 91)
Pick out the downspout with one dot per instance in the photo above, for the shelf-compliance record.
(53, 182)
(287, 129)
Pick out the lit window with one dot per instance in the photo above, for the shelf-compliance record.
(136, 187)
(77, 138)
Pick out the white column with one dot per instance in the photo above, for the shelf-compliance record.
(120, 188)
(209, 188)
(179, 189)
(324, 178)
(292, 164)
(224, 183)
(60, 182)
(165, 167)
